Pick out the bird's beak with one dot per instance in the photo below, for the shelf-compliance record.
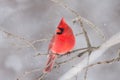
(58, 30)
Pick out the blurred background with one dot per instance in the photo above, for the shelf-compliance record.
(37, 19)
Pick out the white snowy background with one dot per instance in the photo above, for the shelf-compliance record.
(37, 19)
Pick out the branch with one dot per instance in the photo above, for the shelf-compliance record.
(94, 55)
(76, 56)
(8, 34)
(79, 17)
(106, 61)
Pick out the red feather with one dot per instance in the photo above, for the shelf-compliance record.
(62, 42)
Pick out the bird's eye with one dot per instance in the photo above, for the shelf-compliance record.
(60, 31)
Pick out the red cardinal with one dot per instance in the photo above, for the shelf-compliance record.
(62, 42)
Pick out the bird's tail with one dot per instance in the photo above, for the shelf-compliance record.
(50, 63)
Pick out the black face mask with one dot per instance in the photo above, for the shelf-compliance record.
(61, 31)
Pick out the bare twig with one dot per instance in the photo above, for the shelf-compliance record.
(88, 45)
(40, 54)
(83, 29)
(42, 76)
(78, 34)
(68, 60)
(40, 40)
(32, 71)
(106, 61)
(93, 26)
(78, 17)
(75, 57)
(73, 51)
(28, 72)
(58, 64)
(47, 39)
(20, 38)
(95, 54)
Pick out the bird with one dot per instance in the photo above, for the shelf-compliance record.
(62, 42)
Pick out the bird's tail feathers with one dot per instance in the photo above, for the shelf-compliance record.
(50, 63)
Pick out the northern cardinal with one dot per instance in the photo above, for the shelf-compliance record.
(62, 42)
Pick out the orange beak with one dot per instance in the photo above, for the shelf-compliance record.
(58, 30)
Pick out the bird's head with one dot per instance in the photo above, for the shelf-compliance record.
(62, 27)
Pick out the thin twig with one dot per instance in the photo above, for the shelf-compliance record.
(95, 54)
(60, 63)
(84, 32)
(47, 39)
(28, 72)
(93, 26)
(40, 40)
(40, 54)
(89, 48)
(79, 17)
(106, 61)
(88, 45)
(20, 38)
(72, 58)
(32, 71)
(78, 34)
(42, 76)
(78, 50)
